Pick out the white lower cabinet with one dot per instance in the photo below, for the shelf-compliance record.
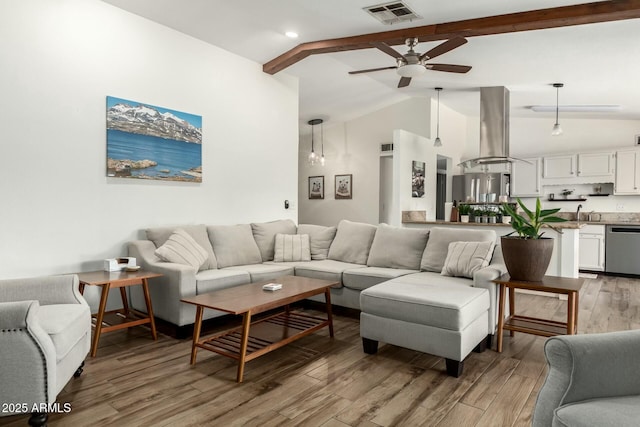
(591, 255)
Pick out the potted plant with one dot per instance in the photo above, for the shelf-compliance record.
(528, 254)
(464, 209)
(506, 218)
(492, 217)
(477, 215)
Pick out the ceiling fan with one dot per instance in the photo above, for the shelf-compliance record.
(413, 64)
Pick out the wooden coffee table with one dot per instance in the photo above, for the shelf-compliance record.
(107, 321)
(533, 325)
(260, 337)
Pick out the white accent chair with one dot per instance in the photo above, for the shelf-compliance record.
(45, 335)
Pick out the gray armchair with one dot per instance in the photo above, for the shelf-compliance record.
(45, 335)
(593, 380)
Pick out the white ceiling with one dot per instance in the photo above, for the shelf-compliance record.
(598, 63)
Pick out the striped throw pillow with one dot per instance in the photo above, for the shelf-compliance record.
(181, 248)
(465, 258)
(292, 247)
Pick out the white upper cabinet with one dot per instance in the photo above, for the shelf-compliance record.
(525, 178)
(627, 171)
(560, 166)
(595, 164)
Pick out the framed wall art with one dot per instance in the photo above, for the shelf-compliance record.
(343, 186)
(316, 187)
(149, 142)
(417, 179)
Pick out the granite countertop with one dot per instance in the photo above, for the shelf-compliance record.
(568, 224)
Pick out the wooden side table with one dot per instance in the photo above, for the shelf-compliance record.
(107, 321)
(534, 325)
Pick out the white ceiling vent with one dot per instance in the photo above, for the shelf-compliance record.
(392, 13)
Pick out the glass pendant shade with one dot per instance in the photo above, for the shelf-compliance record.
(437, 142)
(313, 157)
(557, 130)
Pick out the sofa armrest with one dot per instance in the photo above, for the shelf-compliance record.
(46, 290)
(583, 367)
(483, 279)
(175, 276)
(28, 368)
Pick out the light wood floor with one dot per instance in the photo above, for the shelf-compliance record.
(318, 381)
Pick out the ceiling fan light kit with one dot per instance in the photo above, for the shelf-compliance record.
(413, 64)
(557, 130)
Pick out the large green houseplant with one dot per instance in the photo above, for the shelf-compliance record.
(528, 254)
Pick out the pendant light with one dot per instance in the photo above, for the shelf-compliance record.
(313, 157)
(438, 142)
(557, 130)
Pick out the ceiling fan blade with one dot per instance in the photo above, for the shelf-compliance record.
(444, 48)
(372, 69)
(449, 68)
(404, 81)
(388, 50)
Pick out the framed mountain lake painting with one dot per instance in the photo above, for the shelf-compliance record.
(149, 142)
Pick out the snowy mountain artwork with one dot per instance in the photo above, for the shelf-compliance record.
(149, 142)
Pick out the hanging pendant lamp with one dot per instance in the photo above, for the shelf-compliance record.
(438, 142)
(313, 157)
(557, 130)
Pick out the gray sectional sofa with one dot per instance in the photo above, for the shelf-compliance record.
(393, 275)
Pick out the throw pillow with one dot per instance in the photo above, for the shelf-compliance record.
(395, 247)
(465, 258)
(439, 238)
(159, 235)
(320, 238)
(264, 234)
(292, 247)
(234, 245)
(181, 248)
(352, 242)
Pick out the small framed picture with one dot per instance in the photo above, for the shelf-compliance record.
(316, 187)
(343, 186)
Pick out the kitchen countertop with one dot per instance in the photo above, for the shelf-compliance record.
(568, 224)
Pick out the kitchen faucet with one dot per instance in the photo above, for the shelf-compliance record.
(578, 212)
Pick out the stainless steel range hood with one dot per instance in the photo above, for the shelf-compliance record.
(494, 128)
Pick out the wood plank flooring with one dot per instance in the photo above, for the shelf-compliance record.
(318, 381)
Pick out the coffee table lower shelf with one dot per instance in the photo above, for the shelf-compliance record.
(264, 335)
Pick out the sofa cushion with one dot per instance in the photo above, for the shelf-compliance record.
(352, 242)
(159, 235)
(432, 278)
(363, 278)
(465, 258)
(438, 244)
(292, 247)
(320, 239)
(446, 307)
(65, 324)
(214, 280)
(326, 269)
(264, 234)
(610, 411)
(234, 245)
(264, 272)
(181, 248)
(396, 247)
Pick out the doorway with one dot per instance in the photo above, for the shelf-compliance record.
(443, 166)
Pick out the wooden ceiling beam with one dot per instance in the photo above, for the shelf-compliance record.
(580, 14)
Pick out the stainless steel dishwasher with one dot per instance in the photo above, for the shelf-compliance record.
(622, 249)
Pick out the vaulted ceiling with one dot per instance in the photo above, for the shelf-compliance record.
(598, 60)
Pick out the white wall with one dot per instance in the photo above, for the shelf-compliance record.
(60, 59)
(354, 147)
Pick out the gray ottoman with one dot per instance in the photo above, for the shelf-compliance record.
(447, 321)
